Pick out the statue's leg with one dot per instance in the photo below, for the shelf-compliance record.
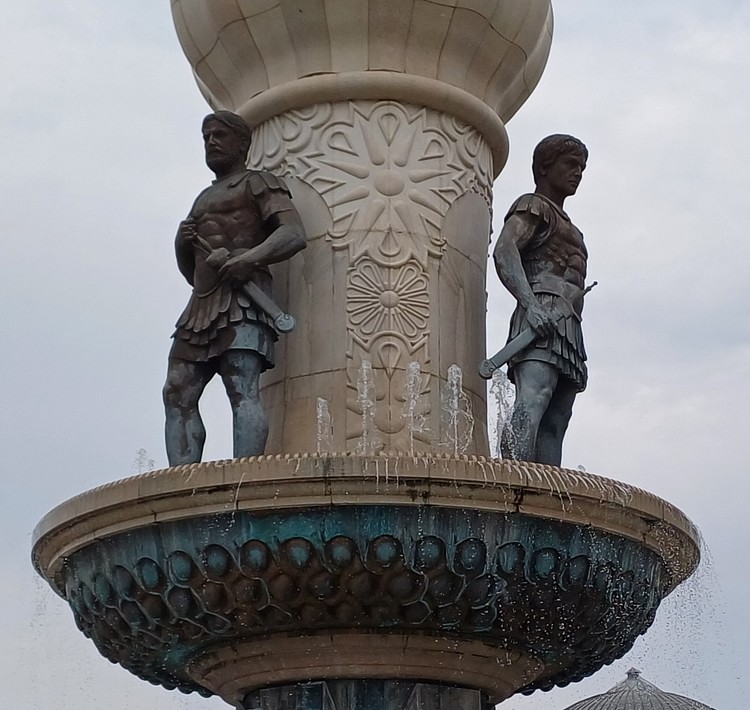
(555, 422)
(184, 430)
(535, 385)
(240, 370)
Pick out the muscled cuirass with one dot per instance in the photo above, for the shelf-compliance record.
(555, 260)
(227, 214)
(562, 254)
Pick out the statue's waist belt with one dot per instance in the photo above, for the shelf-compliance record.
(570, 293)
(556, 286)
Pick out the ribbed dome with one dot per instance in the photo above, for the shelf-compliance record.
(635, 693)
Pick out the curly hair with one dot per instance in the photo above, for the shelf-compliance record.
(549, 149)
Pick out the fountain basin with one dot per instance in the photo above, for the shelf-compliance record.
(230, 576)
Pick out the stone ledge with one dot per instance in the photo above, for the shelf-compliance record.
(266, 483)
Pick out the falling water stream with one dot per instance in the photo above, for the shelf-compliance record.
(692, 619)
(368, 442)
(323, 429)
(503, 396)
(416, 422)
(456, 414)
(143, 462)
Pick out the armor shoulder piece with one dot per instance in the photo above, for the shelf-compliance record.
(260, 182)
(533, 204)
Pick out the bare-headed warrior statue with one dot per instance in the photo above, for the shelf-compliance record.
(541, 259)
(238, 225)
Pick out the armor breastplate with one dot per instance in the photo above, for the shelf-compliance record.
(559, 257)
(226, 216)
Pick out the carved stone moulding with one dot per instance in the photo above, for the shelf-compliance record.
(228, 577)
(283, 659)
(376, 86)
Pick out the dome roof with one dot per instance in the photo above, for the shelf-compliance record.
(636, 693)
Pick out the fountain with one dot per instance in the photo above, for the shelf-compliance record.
(368, 443)
(407, 571)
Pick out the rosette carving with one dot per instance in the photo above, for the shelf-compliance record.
(388, 174)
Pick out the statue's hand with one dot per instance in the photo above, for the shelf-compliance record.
(238, 268)
(188, 231)
(217, 258)
(540, 319)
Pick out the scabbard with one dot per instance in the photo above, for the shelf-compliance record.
(522, 341)
(283, 322)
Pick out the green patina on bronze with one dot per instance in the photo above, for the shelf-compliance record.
(571, 596)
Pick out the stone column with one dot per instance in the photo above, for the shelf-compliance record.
(387, 119)
(396, 200)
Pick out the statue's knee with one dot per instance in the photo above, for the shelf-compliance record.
(169, 395)
(176, 396)
(247, 398)
(557, 423)
(535, 400)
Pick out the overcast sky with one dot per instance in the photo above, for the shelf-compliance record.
(102, 157)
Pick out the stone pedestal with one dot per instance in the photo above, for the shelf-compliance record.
(365, 695)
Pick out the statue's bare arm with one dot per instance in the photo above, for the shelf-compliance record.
(286, 238)
(184, 250)
(517, 233)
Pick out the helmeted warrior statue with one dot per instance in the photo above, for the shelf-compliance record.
(241, 223)
(541, 259)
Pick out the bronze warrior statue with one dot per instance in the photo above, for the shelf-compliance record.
(238, 225)
(541, 259)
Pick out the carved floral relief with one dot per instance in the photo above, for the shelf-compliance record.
(388, 174)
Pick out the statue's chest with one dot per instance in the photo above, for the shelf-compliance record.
(228, 216)
(565, 247)
(219, 200)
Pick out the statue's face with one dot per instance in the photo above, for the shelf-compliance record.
(564, 175)
(223, 146)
